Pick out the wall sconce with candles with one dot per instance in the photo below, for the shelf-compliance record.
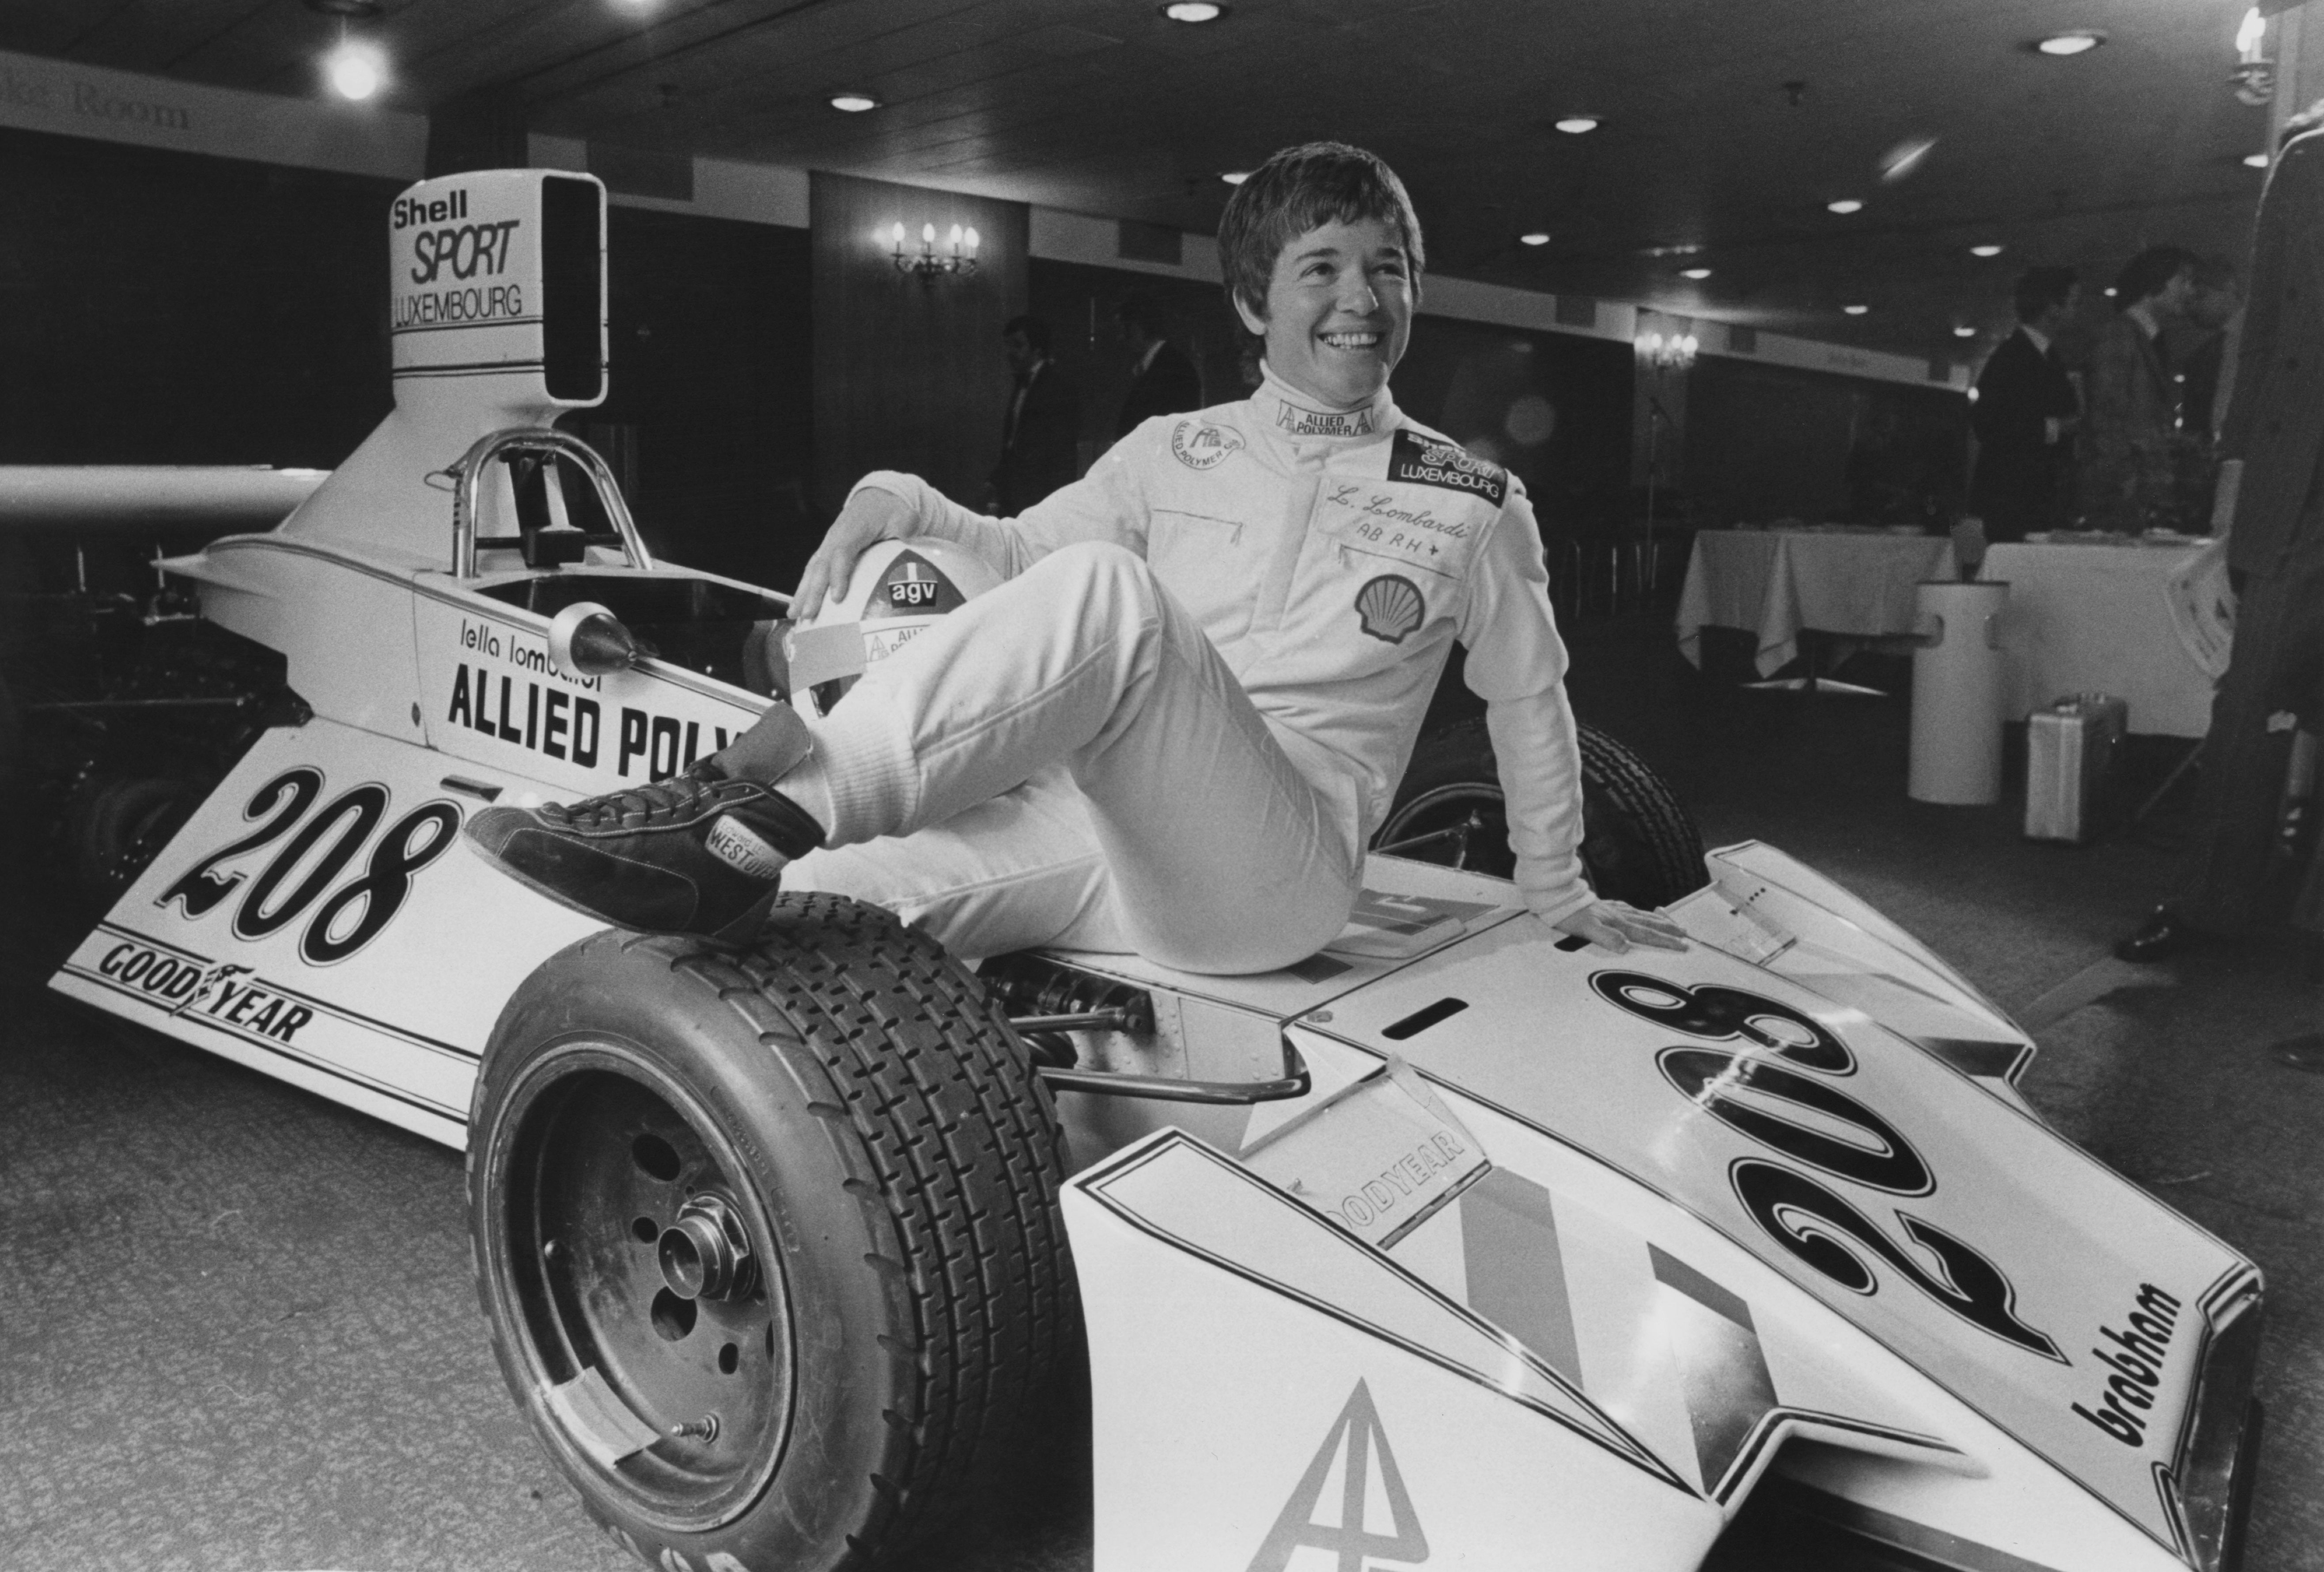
(927, 263)
(1668, 352)
(2253, 78)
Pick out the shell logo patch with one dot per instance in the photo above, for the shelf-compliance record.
(1390, 607)
(1198, 444)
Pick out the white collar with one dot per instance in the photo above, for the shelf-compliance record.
(2040, 342)
(1146, 361)
(1296, 414)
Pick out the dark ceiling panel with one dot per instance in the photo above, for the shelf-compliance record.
(1101, 105)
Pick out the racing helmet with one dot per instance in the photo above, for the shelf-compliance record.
(897, 591)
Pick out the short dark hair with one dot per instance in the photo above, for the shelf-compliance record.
(1036, 331)
(1301, 189)
(2041, 288)
(2147, 273)
(1142, 311)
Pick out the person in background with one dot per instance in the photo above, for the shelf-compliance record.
(2274, 682)
(2025, 412)
(1163, 382)
(2214, 311)
(2131, 425)
(1039, 439)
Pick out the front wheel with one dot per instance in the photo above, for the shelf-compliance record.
(768, 1239)
(1639, 843)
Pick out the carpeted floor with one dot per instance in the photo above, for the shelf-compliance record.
(239, 1331)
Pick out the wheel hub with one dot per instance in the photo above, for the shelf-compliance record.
(706, 1253)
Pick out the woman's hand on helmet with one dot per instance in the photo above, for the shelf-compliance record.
(872, 515)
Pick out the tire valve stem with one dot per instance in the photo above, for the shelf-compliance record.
(705, 1428)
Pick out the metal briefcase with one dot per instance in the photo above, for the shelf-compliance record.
(2070, 748)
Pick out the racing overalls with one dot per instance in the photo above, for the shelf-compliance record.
(1176, 725)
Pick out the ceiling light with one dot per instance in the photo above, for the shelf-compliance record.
(1194, 11)
(1694, 272)
(355, 71)
(1576, 125)
(2082, 40)
(1964, 331)
(2256, 160)
(1538, 238)
(1235, 177)
(853, 103)
(1845, 205)
(1985, 250)
(1856, 310)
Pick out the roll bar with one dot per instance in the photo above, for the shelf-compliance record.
(545, 442)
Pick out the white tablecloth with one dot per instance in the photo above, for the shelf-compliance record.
(2092, 619)
(1775, 582)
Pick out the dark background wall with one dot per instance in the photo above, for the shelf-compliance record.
(710, 400)
(1768, 441)
(909, 374)
(165, 308)
(159, 306)
(1081, 303)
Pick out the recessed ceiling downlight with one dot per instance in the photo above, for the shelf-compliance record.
(2080, 40)
(355, 71)
(853, 103)
(1194, 11)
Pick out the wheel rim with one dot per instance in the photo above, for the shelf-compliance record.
(1462, 825)
(615, 1184)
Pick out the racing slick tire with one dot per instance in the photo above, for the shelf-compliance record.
(767, 1237)
(1639, 843)
(114, 825)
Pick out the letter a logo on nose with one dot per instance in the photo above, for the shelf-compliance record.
(1357, 1452)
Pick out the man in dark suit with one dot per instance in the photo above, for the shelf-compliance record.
(1040, 440)
(1163, 382)
(2130, 425)
(2275, 560)
(2025, 412)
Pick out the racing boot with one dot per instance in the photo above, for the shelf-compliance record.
(701, 852)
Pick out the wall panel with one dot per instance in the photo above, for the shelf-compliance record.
(909, 374)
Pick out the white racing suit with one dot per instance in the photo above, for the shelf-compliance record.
(1175, 725)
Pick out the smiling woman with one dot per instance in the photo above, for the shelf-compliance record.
(1324, 269)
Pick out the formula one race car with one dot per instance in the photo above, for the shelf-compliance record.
(1457, 1245)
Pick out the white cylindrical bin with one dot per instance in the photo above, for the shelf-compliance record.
(1956, 684)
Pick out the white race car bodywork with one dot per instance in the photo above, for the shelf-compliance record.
(1560, 1255)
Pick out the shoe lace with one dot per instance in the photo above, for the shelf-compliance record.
(681, 796)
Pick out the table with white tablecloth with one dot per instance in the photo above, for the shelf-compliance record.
(2087, 618)
(1775, 583)
(2083, 617)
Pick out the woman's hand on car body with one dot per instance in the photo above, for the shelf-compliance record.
(1616, 926)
